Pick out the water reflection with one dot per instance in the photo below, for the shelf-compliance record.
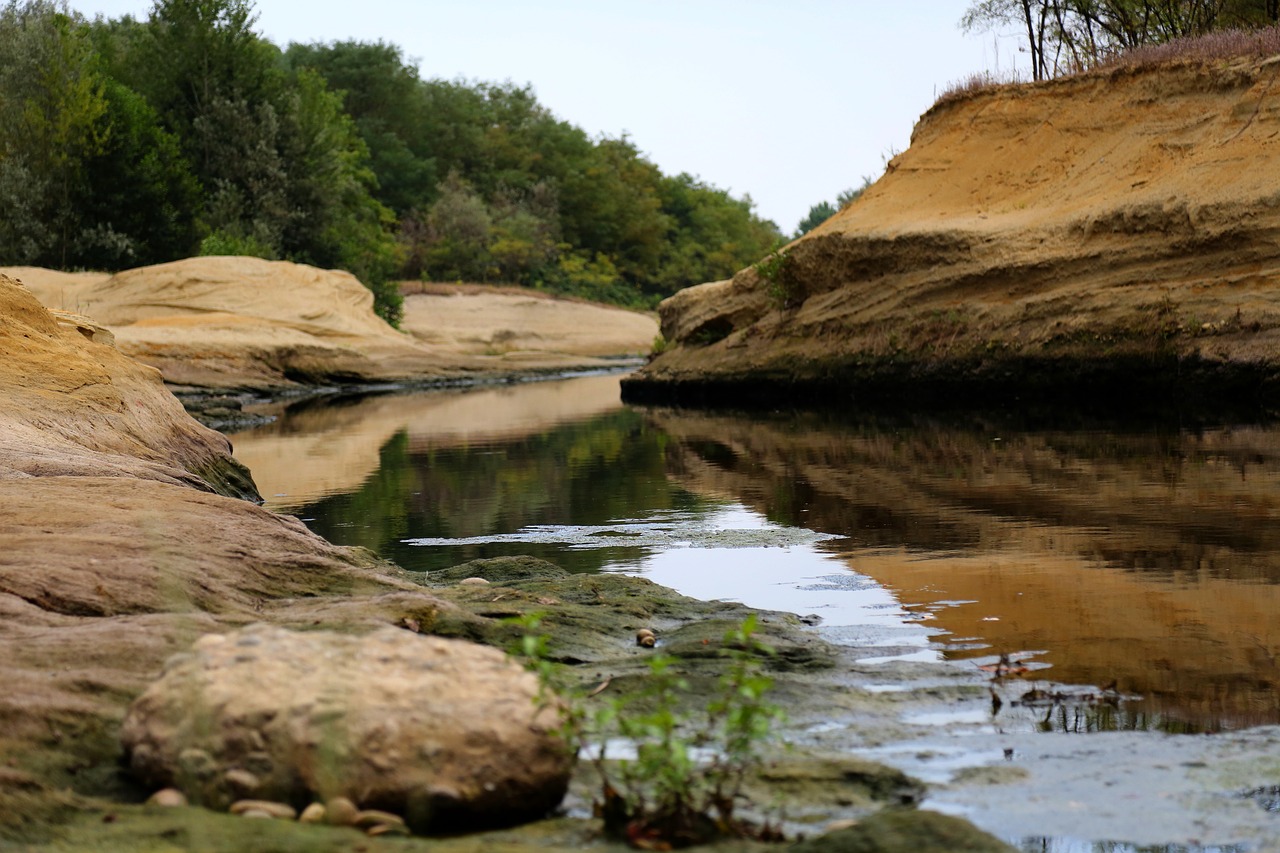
(1146, 558)
(1142, 556)
(1067, 845)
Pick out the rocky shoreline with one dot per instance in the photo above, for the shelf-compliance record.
(128, 533)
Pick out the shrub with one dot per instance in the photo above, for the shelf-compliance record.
(778, 272)
(690, 764)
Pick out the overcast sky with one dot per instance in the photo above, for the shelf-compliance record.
(787, 101)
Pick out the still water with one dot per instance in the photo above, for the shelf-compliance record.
(1145, 556)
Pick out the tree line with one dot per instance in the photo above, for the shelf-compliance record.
(128, 142)
(1066, 36)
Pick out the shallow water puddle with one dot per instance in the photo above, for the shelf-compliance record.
(727, 552)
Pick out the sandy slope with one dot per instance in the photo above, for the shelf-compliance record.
(523, 326)
(1131, 214)
(228, 322)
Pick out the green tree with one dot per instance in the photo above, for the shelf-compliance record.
(52, 103)
(334, 220)
(824, 210)
(195, 56)
(387, 102)
(141, 198)
(818, 214)
(713, 235)
(525, 239)
(282, 166)
(459, 228)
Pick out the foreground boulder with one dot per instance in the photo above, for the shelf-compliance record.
(122, 539)
(1100, 237)
(446, 733)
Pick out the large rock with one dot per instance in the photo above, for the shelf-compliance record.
(72, 405)
(246, 322)
(1099, 234)
(447, 733)
(122, 539)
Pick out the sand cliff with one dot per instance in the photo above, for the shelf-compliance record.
(1117, 231)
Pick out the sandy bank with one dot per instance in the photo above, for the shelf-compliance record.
(249, 324)
(1113, 234)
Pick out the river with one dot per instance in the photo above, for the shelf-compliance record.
(1139, 561)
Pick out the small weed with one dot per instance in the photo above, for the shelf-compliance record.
(776, 269)
(690, 766)
(659, 346)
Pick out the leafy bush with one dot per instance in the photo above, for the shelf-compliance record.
(229, 243)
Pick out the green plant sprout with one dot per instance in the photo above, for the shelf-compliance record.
(690, 765)
(776, 270)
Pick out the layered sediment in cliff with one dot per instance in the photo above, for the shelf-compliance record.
(1118, 231)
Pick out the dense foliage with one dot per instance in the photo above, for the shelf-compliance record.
(126, 142)
(1065, 36)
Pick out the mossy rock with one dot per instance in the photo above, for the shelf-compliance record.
(793, 648)
(499, 570)
(905, 831)
(838, 782)
(593, 618)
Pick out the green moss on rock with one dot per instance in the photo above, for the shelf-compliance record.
(906, 831)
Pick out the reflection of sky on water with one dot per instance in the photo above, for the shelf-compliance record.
(731, 552)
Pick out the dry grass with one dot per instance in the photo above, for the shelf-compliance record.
(1221, 46)
(1213, 47)
(977, 82)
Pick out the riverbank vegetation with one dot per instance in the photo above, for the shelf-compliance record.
(130, 142)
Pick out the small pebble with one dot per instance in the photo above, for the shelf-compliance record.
(387, 829)
(242, 781)
(341, 811)
(837, 825)
(280, 810)
(257, 814)
(474, 582)
(373, 817)
(314, 813)
(168, 798)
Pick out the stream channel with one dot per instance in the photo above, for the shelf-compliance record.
(1130, 574)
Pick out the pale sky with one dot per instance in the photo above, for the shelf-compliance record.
(788, 102)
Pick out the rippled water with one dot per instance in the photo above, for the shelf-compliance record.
(1144, 557)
